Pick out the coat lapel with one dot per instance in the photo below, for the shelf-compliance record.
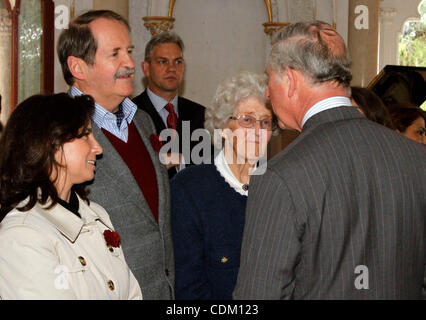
(144, 126)
(149, 108)
(115, 169)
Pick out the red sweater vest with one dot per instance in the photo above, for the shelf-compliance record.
(138, 160)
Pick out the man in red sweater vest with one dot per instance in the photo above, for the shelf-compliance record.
(130, 182)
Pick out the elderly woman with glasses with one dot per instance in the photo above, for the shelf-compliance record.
(209, 200)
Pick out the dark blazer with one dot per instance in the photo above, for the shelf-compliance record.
(339, 214)
(207, 227)
(147, 245)
(187, 110)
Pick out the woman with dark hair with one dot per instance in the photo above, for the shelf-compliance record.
(54, 244)
(371, 106)
(409, 120)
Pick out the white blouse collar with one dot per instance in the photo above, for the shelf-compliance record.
(226, 173)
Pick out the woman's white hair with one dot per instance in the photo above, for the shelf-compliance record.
(228, 94)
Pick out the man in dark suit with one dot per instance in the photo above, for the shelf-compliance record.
(130, 183)
(340, 213)
(164, 67)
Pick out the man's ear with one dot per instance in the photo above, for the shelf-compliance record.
(78, 67)
(292, 81)
(145, 68)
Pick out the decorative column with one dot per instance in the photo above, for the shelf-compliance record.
(160, 17)
(388, 56)
(5, 67)
(363, 39)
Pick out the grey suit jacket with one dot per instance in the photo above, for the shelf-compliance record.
(339, 214)
(147, 246)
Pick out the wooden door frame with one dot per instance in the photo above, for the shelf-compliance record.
(47, 48)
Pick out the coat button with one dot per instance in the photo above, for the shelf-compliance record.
(111, 249)
(111, 285)
(167, 272)
(82, 261)
(224, 259)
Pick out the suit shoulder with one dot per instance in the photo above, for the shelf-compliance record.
(140, 97)
(195, 173)
(25, 226)
(192, 104)
(142, 101)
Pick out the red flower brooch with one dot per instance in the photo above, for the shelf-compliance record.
(155, 142)
(112, 238)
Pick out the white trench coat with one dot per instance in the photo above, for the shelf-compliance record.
(53, 254)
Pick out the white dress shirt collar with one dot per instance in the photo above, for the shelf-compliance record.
(226, 173)
(159, 103)
(107, 120)
(329, 103)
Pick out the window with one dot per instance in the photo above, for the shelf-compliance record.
(26, 51)
(412, 42)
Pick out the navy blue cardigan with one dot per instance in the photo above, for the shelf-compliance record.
(207, 225)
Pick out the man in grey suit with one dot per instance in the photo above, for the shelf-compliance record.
(340, 213)
(130, 182)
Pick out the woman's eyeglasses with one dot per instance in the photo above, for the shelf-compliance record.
(247, 121)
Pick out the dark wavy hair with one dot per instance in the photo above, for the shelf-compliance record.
(404, 114)
(36, 129)
(372, 106)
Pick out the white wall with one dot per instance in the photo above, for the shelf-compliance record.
(79, 7)
(140, 36)
(221, 37)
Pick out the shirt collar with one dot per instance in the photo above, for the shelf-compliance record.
(68, 223)
(329, 103)
(159, 103)
(227, 174)
(101, 114)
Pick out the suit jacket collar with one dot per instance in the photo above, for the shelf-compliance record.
(149, 108)
(332, 115)
(116, 168)
(159, 103)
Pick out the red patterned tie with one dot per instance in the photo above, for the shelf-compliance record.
(172, 118)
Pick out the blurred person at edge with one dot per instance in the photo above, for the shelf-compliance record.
(409, 120)
(54, 243)
(209, 200)
(371, 106)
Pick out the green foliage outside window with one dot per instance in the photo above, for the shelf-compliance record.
(412, 42)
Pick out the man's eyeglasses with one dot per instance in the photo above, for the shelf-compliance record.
(247, 121)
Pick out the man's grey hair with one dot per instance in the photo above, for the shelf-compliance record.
(163, 37)
(301, 46)
(228, 94)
